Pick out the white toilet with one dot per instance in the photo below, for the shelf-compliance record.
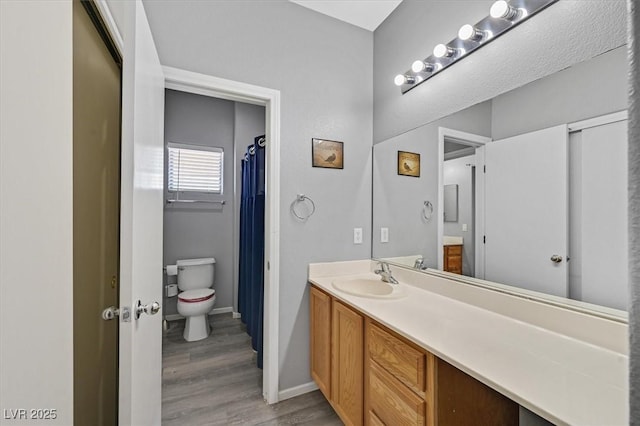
(196, 297)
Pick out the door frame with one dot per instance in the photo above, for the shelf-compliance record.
(202, 84)
(207, 85)
(478, 142)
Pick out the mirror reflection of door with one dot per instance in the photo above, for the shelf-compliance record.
(526, 216)
(598, 214)
(563, 192)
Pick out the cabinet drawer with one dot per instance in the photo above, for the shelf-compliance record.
(454, 250)
(403, 361)
(391, 402)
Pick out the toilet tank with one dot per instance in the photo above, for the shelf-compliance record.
(195, 273)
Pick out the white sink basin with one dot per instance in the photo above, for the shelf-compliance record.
(449, 240)
(370, 287)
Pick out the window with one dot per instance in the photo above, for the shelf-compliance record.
(195, 169)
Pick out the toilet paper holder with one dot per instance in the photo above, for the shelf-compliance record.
(172, 270)
(171, 290)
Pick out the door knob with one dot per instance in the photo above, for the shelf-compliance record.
(150, 309)
(556, 258)
(110, 313)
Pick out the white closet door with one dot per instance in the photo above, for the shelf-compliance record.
(526, 211)
(604, 215)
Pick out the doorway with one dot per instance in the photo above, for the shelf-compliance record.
(460, 201)
(196, 83)
(214, 192)
(96, 216)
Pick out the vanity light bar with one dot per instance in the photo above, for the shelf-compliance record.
(503, 16)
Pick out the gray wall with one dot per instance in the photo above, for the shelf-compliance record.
(457, 172)
(323, 68)
(585, 90)
(539, 47)
(201, 230)
(249, 123)
(634, 216)
(398, 200)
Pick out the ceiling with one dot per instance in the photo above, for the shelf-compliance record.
(367, 14)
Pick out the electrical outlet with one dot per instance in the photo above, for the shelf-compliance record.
(464, 227)
(384, 235)
(357, 235)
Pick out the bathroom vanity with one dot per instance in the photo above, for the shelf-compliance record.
(433, 351)
(372, 375)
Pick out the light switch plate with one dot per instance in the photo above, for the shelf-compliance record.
(384, 235)
(464, 227)
(357, 235)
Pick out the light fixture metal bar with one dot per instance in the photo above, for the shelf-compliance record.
(493, 27)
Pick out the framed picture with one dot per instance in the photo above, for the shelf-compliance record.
(327, 154)
(408, 164)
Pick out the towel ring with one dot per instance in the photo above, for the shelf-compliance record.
(427, 210)
(299, 199)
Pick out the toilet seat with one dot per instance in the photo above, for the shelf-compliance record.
(195, 296)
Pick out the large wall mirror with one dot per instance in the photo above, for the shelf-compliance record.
(540, 178)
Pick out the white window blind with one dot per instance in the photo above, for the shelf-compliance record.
(195, 169)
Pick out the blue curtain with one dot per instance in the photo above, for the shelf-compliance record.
(251, 271)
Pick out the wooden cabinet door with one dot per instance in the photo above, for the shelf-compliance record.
(321, 340)
(347, 364)
(453, 259)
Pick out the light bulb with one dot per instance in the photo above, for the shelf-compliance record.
(420, 66)
(442, 50)
(501, 9)
(401, 79)
(469, 32)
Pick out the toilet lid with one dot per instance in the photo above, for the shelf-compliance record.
(198, 295)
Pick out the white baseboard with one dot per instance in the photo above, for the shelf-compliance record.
(297, 390)
(236, 315)
(173, 317)
(216, 311)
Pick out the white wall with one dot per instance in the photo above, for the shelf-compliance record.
(322, 68)
(36, 253)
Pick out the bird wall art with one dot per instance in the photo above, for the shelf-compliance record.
(408, 164)
(327, 154)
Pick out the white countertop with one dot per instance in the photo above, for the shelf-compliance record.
(561, 378)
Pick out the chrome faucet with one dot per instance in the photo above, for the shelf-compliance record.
(420, 264)
(385, 273)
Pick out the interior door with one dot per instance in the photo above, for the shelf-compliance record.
(526, 211)
(96, 211)
(141, 221)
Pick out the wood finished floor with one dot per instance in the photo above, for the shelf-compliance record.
(216, 382)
